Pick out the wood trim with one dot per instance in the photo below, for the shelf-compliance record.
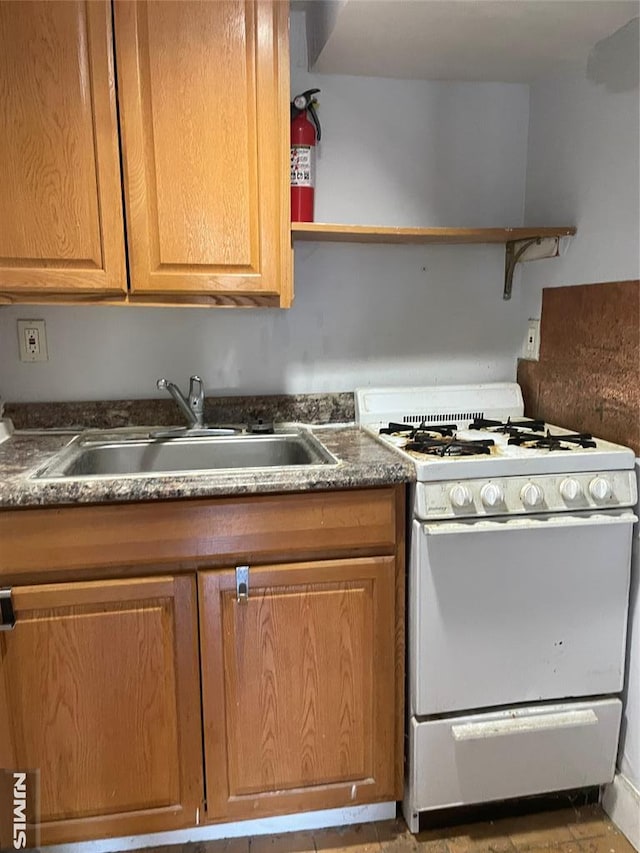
(274, 140)
(107, 142)
(102, 540)
(114, 826)
(206, 300)
(400, 650)
(70, 284)
(126, 25)
(287, 254)
(50, 596)
(166, 300)
(334, 233)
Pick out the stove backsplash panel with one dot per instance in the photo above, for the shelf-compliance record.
(588, 375)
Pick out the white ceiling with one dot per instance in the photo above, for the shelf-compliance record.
(493, 40)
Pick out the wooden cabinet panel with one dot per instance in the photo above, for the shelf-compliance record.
(299, 693)
(96, 539)
(99, 689)
(203, 90)
(61, 226)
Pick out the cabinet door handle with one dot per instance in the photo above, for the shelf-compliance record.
(7, 614)
(242, 584)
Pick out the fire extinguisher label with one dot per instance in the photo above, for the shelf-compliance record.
(302, 166)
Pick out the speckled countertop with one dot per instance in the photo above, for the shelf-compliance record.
(362, 462)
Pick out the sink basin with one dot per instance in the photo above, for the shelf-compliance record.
(93, 457)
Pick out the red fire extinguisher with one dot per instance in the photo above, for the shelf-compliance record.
(304, 136)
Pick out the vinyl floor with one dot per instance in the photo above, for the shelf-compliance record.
(585, 829)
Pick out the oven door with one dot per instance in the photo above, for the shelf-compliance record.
(517, 610)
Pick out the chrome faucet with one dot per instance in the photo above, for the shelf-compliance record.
(193, 406)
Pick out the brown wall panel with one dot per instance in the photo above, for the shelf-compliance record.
(588, 376)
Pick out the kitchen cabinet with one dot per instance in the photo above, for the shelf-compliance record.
(99, 689)
(127, 694)
(298, 686)
(61, 227)
(202, 97)
(204, 106)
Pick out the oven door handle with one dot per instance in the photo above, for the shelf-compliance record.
(520, 725)
(485, 525)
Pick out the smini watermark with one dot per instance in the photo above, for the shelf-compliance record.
(19, 809)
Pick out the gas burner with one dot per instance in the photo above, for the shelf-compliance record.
(509, 426)
(412, 432)
(552, 442)
(449, 446)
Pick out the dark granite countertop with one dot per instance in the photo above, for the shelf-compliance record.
(362, 462)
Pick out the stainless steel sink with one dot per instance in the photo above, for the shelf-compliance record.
(96, 457)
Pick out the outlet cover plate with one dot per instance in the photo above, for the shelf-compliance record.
(531, 349)
(32, 340)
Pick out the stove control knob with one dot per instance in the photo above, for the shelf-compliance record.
(531, 495)
(492, 494)
(570, 489)
(460, 497)
(600, 489)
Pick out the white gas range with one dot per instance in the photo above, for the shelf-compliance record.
(519, 563)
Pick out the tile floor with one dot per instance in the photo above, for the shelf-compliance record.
(585, 829)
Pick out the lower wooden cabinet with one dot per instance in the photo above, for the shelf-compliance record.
(129, 694)
(99, 689)
(299, 691)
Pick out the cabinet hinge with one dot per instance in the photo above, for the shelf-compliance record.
(242, 583)
(7, 615)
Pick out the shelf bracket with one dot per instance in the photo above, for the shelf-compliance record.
(533, 249)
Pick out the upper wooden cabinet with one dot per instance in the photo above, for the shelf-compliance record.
(203, 97)
(204, 106)
(60, 192)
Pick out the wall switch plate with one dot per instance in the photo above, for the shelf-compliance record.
(32, 340)
(532, 342)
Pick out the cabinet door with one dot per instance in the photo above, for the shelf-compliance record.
(99, 689)
(298, 687)
(61, 227)
(203, 91)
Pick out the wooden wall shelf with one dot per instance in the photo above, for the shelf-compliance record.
(325, 233)
(521, 244)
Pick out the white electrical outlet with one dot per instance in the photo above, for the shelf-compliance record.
(32, 340)
(532, 343)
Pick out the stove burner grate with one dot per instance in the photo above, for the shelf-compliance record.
(448, 446)
(550, 441)
(509, 426)
(413, 432)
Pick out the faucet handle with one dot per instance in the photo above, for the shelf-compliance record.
(196, 396)
(196, 388)
(162, 384)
